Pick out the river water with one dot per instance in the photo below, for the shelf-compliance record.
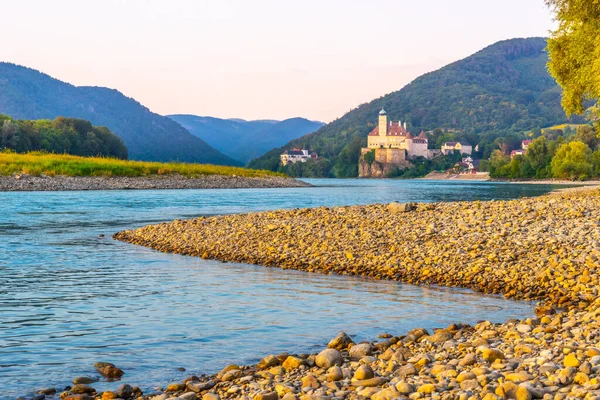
(69, 298)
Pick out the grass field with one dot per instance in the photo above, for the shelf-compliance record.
(37, 164)
(562, 126)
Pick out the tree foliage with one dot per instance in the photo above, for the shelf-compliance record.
(574, 50)
(556, 154)
(61, 136)
(573, 160)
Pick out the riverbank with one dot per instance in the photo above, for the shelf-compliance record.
(545, 249)
(485, 176)
(23, 182)
(440, 176)
(549, 182)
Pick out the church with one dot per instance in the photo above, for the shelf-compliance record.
(394, 137)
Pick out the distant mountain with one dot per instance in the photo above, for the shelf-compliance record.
(244, 140)
(29, 94)
(503, 89)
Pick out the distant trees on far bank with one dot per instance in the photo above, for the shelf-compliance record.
(574, 157)
(60, 136)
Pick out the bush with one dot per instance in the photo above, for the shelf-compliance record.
(573, 160)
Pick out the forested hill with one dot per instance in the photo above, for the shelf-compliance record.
(502, 89)
(245, 140)
(29, 94)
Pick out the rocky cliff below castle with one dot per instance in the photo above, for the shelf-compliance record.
(381, 163)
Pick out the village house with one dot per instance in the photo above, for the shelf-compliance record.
(296, 155)
(393, 143)
(462, 147)
(466, 165)
(525, 144)
(518, 152)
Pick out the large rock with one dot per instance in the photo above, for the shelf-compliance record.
(82, 388)
(405, 388)
(491, 355)
(360, 350)
(386, 394)
(372, 382)
(292, 363)
(200, 386)
(328, 358)
(267, 396)
(109, 370)
(126, 391)
(335, 374)
(340, 342)
(440, 336)
(84, 380)
(268, 362)
(396, 207)
(364, 372)
(407, 370)
(232, 375)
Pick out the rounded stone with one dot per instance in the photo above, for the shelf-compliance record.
(364, 372)
(328, 358)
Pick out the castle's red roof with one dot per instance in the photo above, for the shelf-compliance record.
(395, 129)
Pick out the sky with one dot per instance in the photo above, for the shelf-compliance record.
(256, 59)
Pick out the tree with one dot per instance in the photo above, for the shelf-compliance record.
(573, 160)
(574, 52)
(62, 135)
(596, 161)
(499, 165)
(587, 135)
(540, 155)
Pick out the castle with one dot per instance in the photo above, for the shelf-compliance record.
(393, 144)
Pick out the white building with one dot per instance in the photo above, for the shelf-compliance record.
(463, 148)
(296, 155)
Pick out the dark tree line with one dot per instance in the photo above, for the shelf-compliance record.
(62, 135)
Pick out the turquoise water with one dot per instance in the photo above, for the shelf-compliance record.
(69, 298)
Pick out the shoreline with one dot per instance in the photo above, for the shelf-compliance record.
(549, 182)
(21, 183)
(484, 177)
(544, 249)
(550, 253)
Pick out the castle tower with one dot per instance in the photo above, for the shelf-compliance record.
(382, 123)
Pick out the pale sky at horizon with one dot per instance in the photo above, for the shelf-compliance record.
(260, 59)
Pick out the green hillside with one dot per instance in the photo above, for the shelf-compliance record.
(501, 90)
(61, 136)
(245, 140)
(28, 94)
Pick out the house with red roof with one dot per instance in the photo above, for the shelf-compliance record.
(518, 152)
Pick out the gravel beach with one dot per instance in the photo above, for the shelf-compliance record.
(65, 183)
(545, 249)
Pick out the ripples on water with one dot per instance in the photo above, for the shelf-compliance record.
(69, 298)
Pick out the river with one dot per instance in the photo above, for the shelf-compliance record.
(69, 297)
